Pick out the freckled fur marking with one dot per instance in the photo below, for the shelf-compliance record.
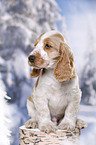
(37, 41)
(36, 82)
(39, 60)
(42, 73)
(30, 99)
(58, 36)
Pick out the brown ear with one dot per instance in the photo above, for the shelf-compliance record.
(64, 69)
(35, 73)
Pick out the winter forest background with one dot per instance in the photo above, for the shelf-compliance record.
(21, 22)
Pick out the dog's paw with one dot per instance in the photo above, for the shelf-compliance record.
(80, 124)
(47, 127)
(66, 125)
(31, 124)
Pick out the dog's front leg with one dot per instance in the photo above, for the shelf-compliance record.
(69, 120)
(43, 115)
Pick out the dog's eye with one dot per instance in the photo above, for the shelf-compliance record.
(47, 46)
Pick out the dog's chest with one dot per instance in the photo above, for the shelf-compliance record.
(57, 99)
(55, 93)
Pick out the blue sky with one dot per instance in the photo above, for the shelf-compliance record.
(73, 7)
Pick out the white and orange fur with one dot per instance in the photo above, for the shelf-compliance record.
(55, 99)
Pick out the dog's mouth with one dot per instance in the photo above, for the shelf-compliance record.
(36, 66)
(33, 65)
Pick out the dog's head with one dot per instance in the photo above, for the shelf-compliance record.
(51, 51)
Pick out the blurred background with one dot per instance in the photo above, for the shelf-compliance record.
(21, 23)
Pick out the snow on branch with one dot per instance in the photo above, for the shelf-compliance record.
(4, 132)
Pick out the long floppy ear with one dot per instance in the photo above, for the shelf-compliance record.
(64, 69)
(35, 73)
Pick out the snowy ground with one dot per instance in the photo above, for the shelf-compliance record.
(88, 135)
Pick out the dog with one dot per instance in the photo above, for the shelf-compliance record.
(55, 99)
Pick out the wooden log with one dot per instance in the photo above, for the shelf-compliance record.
(36, 137)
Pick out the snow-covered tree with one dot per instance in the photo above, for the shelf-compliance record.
(64, 29)
(21, 22)
(4, 132)
(88, 77)
(24, 21)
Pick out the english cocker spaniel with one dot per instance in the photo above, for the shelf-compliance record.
(55, 99)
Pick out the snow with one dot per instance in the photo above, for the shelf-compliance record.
(4, 132)
(88, 113)
(89, 138)
(21, 64)
(88, 135)
(2, 83)
(1, 61)
(87, 108)
(25, 89)
(9, 79)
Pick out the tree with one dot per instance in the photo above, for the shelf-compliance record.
(64, 29)
(88, 77)
(4, 132)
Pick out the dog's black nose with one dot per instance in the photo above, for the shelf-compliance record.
(31, 58)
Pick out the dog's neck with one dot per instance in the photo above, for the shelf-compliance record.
(48, 70)
(50, 74)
